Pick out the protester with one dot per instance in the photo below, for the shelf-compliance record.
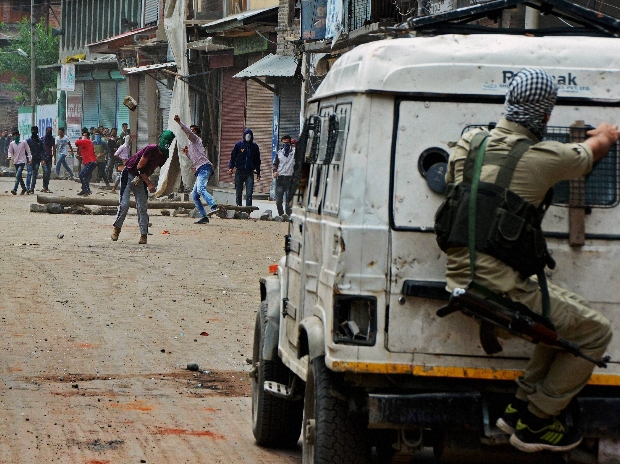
(62, 145)
(86, 154)
(245, 158)
(135, 178)
(19, 150)
(283, 167)
(4, 147)
(37, 150)
(122, 155)
(101, 153)
(203, 169)
(46, 160)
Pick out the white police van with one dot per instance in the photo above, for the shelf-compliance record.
(348, 348)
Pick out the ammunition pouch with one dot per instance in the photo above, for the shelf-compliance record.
(507, 227)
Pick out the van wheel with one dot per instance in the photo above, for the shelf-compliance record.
(330, 435)
(276, 422)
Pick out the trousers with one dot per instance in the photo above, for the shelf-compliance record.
(140, 192)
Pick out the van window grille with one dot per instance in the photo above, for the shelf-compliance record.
(599, 189)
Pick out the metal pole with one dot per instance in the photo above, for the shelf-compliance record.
(531, 18)
(32, 64)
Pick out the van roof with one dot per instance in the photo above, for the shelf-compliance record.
(584, 67)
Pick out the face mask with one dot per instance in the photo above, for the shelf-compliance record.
(16, 139)
(97, 138)
(248, 137)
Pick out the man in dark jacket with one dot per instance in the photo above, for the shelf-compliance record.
(37, 150)
(245, 158)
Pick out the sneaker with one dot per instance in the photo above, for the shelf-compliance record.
(88, 193)
(214, 208)
(552, 436)
(115, 234)
(508, 421)
(202, 220)
(23, 191)
(81, 193)
(30, 192)
(14, 192)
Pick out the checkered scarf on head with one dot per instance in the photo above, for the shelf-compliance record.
(531, 94)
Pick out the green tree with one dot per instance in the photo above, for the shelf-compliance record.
(45, 52)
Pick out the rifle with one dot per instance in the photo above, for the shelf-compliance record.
(515, 318)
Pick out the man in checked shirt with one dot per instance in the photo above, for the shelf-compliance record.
(202, 167)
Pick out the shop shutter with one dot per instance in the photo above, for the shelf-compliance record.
(107, 111)
(151, 11)
(90, 104)
(143, 129)
(233, 118)
(290, 106)
(122, 114)
(259, 118)
(165, 98)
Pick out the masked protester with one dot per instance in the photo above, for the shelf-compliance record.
(519, 166)
(283, 166)
(47, 158)
(245, 161)
(135, 178)
(37, 150)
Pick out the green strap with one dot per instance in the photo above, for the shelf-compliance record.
(517, 152)
(473, 205)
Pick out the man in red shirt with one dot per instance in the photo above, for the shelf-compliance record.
(86, 153)
(135, 178)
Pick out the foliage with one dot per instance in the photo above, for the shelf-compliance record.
(45, 52)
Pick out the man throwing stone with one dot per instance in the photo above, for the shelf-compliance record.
(135, 178)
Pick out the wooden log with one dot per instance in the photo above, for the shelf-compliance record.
(98, 201)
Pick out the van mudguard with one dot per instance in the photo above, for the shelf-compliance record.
(270, 292)
(311, 338)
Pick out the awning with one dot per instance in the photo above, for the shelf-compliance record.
(270, 66)
(126, 38)
(269, 15)
(106, 61)
(149, 67)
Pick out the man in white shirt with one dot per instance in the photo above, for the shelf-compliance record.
(19, 151)
(62, 145)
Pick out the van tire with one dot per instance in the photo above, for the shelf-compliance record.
(330, 434)
(276, 422)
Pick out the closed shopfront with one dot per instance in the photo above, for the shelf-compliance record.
(233, 118)
(122, 114)
(165, 98)
(259, 118)
(107, 107)
(90, 104)
(290, 106)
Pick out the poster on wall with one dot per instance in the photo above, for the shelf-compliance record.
(67, 77)
(44, 116)
(74, 116)
(333, 21)
(313, 17)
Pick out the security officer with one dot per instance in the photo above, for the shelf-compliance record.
(552, 377)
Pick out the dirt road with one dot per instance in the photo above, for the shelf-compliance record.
(96, 336)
